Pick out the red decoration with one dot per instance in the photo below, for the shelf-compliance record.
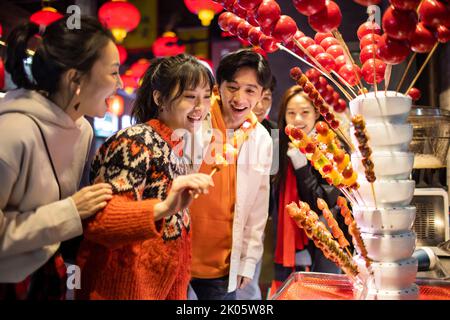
(309, 7)
(423, 39)
(328, 19)
(392, 51)
(45, 16)
(129, 81)
(399, 24)
(123, 55)
(115, 105)
(167, 45)
(139, 67)
(120, 17)
(434, 13)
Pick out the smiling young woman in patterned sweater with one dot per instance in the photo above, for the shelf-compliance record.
(139, 246)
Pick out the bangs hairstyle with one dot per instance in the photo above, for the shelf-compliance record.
(171, 76)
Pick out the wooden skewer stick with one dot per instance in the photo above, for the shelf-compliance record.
(372, 187)
(214, 170)
(340, 38)
(348, 252)
(405, 72)
(422, 68)
(350, 88)
(324, 71)
(387, 78)
(347, 140)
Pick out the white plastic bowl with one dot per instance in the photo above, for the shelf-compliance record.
(388, 165)
(388, 247)
(384, 136)
(388, 193)
(390, 107)
(397, 275)
(385, 220)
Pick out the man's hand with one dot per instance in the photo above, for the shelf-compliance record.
(242, 282)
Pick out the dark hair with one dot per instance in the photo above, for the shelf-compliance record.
(60, 49)
(181, 72)
(284, 139)
(244, 58)
(273, 84)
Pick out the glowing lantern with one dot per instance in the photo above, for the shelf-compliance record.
(115, 105)
(45, 16)
(167, 45)
(2, 74)
(205, 9)
(130, 83)
(120, 17)
(139, 67)
(123, 55)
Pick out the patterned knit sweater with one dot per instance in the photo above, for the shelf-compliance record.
(125, 254)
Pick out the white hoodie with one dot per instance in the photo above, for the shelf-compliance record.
(33, 221)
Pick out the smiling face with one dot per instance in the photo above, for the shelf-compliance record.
(263, 105)
(189, 109)
(102, 82)
(301, 113)
(239, 96)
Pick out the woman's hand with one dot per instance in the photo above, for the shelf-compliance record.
(181, 194)
(91, 199)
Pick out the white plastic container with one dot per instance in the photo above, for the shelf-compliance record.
(384, 136)
(389, 248)
(385, 220)
(388, 165)
(388, 193)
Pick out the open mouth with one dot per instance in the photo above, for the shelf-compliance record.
(239, 109)
(194, 117)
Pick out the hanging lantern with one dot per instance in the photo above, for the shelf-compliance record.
(2, 74)
(120, 17)
(116, 105)
(205, 9)
(123, 55)
(45, 16)
(139, 67)
(130, 83)
(167, 45)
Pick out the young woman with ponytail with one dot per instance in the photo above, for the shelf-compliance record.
(44, 144)
(138, 246)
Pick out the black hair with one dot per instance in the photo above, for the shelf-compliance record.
(244, 58)
(180, 73)
(273, 84)
(60, 49)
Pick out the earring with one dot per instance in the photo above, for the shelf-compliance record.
(77, 92)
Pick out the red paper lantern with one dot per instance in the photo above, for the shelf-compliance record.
(120, 17)
(167, 45)
(129, 81)
(139, 67)
(45, 16)
(2, 74)
(123, 55)
(115, 105)
(205, 9)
